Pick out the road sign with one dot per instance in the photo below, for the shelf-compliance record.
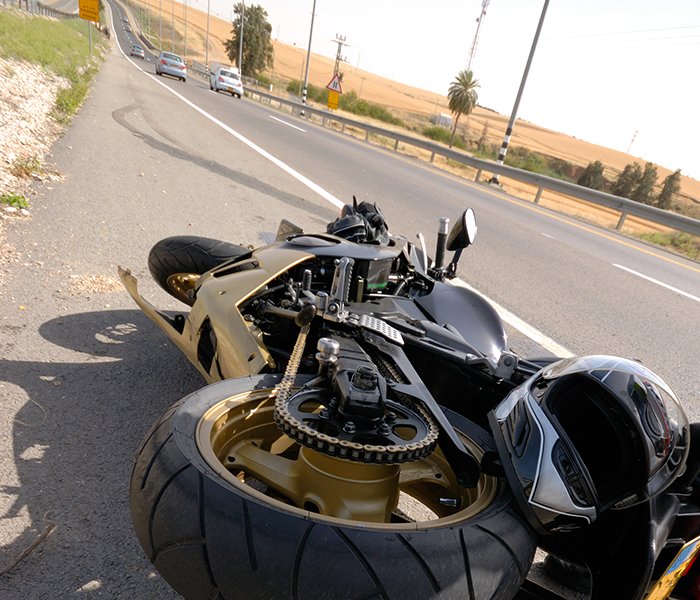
(89, 10)
(333, 98)
(334, 85)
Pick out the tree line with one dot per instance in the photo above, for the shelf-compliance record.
(634, 183)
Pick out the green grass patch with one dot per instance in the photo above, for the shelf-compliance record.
(683, 243)
(442, 134)
(354, 104)
(60, 46)
(16, 200)
(535, 162)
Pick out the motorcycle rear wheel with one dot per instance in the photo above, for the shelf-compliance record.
(177, 262)
(213, 529)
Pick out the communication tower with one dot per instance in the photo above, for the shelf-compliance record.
(479, 21)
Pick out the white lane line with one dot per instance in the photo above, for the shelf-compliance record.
(264, 153)
(657, 282)
(516, 323)
(550, 237)
(287, 124)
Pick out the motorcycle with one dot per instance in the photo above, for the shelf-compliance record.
(345, 447)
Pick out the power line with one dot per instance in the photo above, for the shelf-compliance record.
(601, 35)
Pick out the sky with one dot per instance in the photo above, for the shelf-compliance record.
(624, 74)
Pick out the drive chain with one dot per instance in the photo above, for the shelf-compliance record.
(333, 446)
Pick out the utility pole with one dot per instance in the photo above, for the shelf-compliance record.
(308, 58)
(172, 26)
(479, 20)
(632, 142)
(340, 40)
(160, 24)
(240, 42)
(511, 122)
(206, 44)
(185, 11)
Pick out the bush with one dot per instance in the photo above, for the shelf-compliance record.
(349, 102)
(352, 103)
(522, 158)
(313, 92)
(442, 134)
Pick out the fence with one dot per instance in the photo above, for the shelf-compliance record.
(623, 206)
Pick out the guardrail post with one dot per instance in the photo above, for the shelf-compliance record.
(396, 145)
(432, 156)
(342, 128)
(366, 135)
(478, 175)
(538, 195)
(620, 222)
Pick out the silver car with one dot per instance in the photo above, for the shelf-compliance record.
(171, 64)
(226, 79)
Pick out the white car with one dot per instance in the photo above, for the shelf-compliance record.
(226, 79)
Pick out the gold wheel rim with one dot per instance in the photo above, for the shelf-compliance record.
(182, 286)
(240, 441)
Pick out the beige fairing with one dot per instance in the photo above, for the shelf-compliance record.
(240, 349)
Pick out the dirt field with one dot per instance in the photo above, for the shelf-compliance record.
(405, 101)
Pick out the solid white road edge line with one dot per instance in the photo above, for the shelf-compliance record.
(287, 124)
(657, 282)
(527, 330)
(264, 153)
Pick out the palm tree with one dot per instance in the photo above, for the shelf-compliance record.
(462, 97)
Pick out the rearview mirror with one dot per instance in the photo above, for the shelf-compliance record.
(463, 232)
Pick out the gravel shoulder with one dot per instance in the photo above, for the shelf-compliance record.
(27, 131)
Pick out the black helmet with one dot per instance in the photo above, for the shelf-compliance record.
(588, 434)
(361, 223)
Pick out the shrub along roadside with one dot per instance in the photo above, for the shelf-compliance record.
(61, 46)
(349, 102)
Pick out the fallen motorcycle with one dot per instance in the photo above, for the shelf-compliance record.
(367, 434)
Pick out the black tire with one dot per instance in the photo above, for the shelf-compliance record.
(211, 536)
(176, 262)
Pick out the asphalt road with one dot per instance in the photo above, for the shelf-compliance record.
(83, 373)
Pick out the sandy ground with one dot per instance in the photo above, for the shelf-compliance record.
(289, 64)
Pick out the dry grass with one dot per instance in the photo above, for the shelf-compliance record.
(414, 106)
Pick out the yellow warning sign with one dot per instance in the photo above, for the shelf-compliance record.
(89, 10)
(333, 98)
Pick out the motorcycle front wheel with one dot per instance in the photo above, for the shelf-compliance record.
(177, 262)
(227, 506)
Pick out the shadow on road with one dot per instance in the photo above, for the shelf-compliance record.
(74, 441)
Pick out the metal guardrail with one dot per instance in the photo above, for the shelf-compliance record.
(624, 206)
(38, 8)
